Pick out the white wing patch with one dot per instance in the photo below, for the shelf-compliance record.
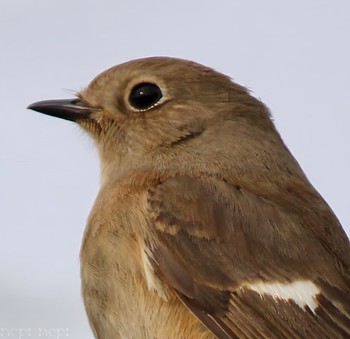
(302, 292)
(153, 283)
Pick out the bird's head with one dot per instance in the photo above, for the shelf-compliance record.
(148, 106)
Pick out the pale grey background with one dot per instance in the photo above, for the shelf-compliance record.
(293, 55)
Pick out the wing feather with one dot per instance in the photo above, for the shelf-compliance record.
(215, 240)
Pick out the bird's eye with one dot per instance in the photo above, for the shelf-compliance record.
(145, 95)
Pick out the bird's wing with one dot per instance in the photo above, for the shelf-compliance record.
(248, 267)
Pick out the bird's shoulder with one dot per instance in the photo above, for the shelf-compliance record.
(228, 250)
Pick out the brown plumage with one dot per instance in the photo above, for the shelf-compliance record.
(205, 225)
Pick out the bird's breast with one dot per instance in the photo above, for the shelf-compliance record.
(112, 280)
(119, 288)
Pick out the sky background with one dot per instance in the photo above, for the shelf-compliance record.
(293, 55)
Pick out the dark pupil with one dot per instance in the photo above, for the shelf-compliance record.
(145, 95)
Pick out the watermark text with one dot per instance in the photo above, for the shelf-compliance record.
(27, 332)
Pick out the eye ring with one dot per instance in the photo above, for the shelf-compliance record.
(145, 95)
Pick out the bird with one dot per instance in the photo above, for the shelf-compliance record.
(205, 225)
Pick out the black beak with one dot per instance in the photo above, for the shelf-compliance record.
(69, 109)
